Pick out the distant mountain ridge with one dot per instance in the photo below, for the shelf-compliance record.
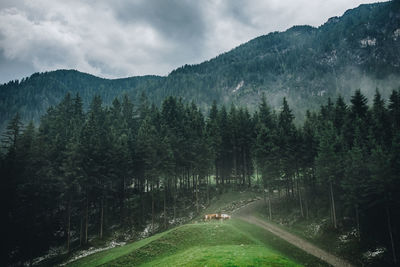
(360, 49)
(32, 96)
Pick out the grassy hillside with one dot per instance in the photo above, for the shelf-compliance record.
(208, 243)
(230, 255)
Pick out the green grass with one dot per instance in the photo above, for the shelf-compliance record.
(182, 238)
(228, 255)
(114, 253)
(276, 244)
(230, 243)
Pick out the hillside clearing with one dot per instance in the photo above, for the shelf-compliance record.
(212, 243)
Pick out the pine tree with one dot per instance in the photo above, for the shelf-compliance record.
(394, 109)
(72, 174)
(226, 153)
(359, 118)
(246, 139)
(359, 106)
(287, 145)
(308, 153)
(356, 177)
(214, 139)
(147, 144)
(94, 144)
(327, 163)
(340, 114)
(380, 121)
(12, 134)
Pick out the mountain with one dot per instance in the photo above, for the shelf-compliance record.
(32, 96)
(359, 50)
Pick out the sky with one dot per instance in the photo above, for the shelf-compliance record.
(117, 38)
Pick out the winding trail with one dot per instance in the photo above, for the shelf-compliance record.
(245, 214)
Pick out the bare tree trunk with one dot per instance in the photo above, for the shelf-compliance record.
(330, 208)
(86, 219)
(175, 193)
(269, 206)
(122, 202)
(287, 189)
(236, 182)
(358, 223)
(235, 165)
(208, 189)
(333, 206)
(265, 195)
(245, 169)
(306, 198)
(257, 178)
(292, 186)
(306, 207)
(81, 231)
(197, 193)
(142, 202)
(194, 185)
(222, 179)
(216, 174)
(188, 182)
(101, 218)
(391, 235)
(68, 225)
(152, 208)
(235, 173)
(300, 200)
(165, 207)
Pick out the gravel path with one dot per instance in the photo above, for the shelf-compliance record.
(245, 215)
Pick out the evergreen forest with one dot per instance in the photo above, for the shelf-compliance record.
(84, 172)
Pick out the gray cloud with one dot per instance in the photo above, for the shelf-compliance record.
(125, 38)
(12, 69)
(172, 18)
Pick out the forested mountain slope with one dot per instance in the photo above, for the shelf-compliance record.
(31, 97)
(359, 50)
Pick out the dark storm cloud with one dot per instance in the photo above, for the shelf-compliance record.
(172, 18)
(180, 23)
(124, 38)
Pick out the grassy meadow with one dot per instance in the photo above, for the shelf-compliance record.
(227, 243)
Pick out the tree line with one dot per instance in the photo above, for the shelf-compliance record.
(80, 173)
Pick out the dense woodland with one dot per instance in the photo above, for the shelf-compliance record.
(78, 174)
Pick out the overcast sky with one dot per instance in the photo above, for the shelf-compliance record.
(116, 38)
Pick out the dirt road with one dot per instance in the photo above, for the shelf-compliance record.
(245, 214)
